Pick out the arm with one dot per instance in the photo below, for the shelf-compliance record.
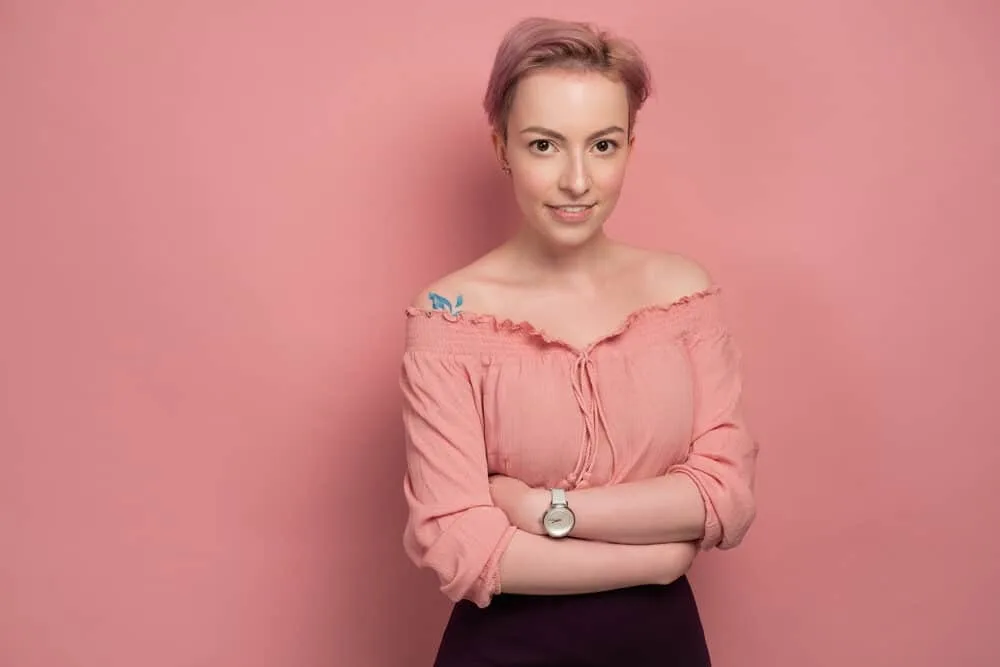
(722, 461)
(650, 511)
(543, 566)
(659, 510)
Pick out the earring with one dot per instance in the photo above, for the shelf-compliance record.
(505, 168)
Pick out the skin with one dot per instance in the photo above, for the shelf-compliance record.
(567, 141)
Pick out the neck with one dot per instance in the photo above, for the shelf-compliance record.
(543, 261)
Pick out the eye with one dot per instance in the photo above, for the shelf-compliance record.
(605, 145)
(541, 145)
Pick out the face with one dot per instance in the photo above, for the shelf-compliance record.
(567, 147)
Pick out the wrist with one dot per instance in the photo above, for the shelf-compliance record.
(537, 503)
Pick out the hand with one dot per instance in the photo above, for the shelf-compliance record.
(523, 505)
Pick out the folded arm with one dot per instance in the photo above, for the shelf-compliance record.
(650, 511)
(543, 566)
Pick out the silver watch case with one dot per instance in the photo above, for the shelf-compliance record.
(558, 519)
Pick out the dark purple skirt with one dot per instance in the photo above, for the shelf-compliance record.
(645, 626)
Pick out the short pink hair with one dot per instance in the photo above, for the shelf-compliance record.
(539, 43)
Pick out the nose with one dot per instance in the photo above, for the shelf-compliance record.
(575, 178)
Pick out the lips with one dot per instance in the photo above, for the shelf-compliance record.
(572, 213)
(574, 208)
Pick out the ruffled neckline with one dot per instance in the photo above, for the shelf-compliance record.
(529, 330)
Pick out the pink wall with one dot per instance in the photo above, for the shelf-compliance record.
(213, 213)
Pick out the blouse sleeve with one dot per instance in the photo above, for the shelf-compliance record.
(723, 455)
(453, 527)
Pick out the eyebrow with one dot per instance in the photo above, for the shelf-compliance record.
(552, 134)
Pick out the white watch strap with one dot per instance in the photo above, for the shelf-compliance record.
(559, 497)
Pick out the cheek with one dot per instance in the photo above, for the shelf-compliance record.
(610, 178)
(533, 184)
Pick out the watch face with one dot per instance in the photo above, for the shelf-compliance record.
(559, 521)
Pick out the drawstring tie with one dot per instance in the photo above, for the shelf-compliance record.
(589, 399)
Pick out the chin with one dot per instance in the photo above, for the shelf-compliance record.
(569, 237)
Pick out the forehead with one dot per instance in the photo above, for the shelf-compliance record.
(573, 103)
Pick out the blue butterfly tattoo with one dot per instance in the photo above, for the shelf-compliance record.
(439, 302)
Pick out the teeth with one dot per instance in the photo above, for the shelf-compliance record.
(573, 209)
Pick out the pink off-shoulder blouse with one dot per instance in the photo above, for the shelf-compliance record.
(659, 395)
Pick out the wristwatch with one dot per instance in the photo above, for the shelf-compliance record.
(558, 519)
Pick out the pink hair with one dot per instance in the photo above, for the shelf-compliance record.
(539, 43)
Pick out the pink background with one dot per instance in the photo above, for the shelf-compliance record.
(214, 212)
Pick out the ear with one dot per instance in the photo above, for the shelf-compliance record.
(631, 146)
(499, 147)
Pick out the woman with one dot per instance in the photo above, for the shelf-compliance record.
(571, 403)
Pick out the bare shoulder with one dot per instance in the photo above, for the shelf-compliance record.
(460, 290)
(672, 276)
